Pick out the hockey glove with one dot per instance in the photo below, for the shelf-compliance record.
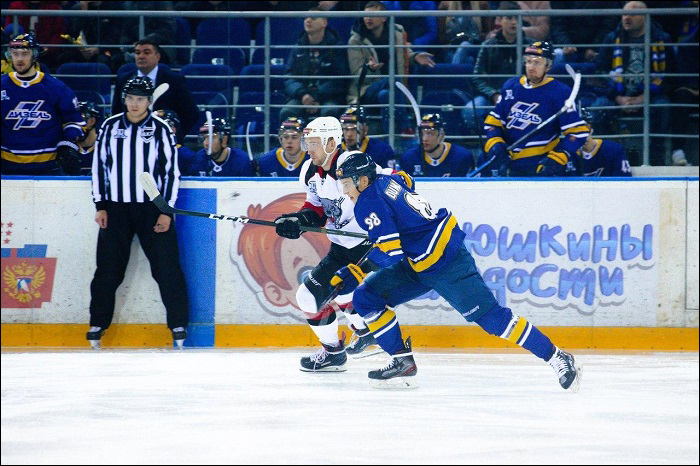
(348, 278)
(554, 164)
(499, 163)
(289, 225)
(68, 157)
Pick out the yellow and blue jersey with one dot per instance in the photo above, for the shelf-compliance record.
(403, 225)
(455, 161)
(36, 115)
(381, 152)
(607, 158)
(522, 107)
(273, 163)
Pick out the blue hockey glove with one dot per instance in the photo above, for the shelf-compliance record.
(348, 278)
(499, 164)
(553, 165)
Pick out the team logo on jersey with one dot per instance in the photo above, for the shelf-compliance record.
(521, 116)
(28, 115)
(334, 210)
(4, 95)
(509, 95)
(147, 133)
(121, 134)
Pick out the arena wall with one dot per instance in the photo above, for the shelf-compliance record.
(598, 264)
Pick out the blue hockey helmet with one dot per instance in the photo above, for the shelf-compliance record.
(169, 117)
(24, 41)
(540, 48)
(355, 164)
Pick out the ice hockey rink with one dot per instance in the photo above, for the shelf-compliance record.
(255, 406)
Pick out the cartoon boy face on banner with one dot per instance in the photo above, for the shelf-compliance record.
(277, 265)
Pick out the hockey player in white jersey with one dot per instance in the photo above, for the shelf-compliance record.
(327, 205)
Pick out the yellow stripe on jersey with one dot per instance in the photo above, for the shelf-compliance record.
(389, 246)
(490, 143)
(37, 79)
(534, 150)
(493, 121)
(36, 158)
(385, 319)
(433, 256)
(517, 331)
(433, 162)
(559, 157)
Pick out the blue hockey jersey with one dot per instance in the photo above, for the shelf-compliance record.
(36, 116)
(273, 163)
(606, 159)
(237, 164)
(522, 107)
(381, 152)
(191, 163)
(403, 224)
(454, 161)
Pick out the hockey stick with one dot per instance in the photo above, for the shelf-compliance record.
(360, 82)
(416, 112)
(210, 132)
(569, 103)
(149, 185)
(159, 91)
(250, 150)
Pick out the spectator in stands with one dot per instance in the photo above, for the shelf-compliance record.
(159, 30)
(355, 137)
(685, 93)
(90, 32)
(147, 54)
(494, 60)
(572, 31)
(369, 46)
(421, 29)
(217, 158)
(48, 29)
(536, 27)
(314, 96)
(463, 30)
(433, 156)
(285, 161)
(628, 92)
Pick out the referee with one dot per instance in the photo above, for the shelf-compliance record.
(128, 144)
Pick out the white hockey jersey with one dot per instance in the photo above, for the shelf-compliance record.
(324, 195)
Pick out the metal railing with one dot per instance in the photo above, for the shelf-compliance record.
(392, 76)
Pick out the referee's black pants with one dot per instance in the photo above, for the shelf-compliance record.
(113, 248)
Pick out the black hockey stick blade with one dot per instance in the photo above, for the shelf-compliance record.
(149, 185)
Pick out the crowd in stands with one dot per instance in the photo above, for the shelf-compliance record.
(320, 67)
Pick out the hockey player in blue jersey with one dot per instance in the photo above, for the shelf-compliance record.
(356, 137)
(526, 102)
(223, 160)
(433, 156)
(41, 122)
(86, 145)
(598, 157)
(285, 161)
(420, 249)
(186, 157)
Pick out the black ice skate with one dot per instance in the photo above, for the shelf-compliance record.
(399, 372)
(327, 359)
(179, 336)
(94, 336)
(362, 344)
(568, 371)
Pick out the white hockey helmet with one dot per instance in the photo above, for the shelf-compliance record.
(325, 128)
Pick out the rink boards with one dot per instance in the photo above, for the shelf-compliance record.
(598, 263)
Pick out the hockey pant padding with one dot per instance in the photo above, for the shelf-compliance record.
(382, 323)
(500, 321)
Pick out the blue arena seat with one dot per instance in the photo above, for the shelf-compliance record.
(209, 78)
(432, 79)
(183, 37)
(87, 77)
(253, 78)
(232, 57)
(219, 31)
(284, 31)
(215, 102)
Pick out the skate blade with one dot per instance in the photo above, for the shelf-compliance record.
(95, 344)
(326, 369)
(369, 351)
(179, 344)
(577, 381)
(395, 383)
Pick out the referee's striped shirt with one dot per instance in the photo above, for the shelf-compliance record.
(124, 150)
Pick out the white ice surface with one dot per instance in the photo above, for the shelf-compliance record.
(255, 406)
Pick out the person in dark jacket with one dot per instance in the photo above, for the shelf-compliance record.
(177, 98)
(314, 96)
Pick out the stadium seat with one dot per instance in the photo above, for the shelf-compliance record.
(432, 80)
(231, 57)
(130, 68)
(215, 102)
(208, 78)
(183, 36)
(87, 77)
(253, 78)
(218, 31)
(248, 109)
(284, 31)
(449, 105)
(94, 97)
